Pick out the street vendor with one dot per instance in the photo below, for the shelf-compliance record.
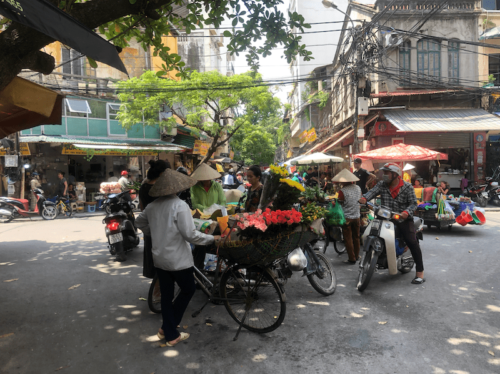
(254, 192)
(444, 188)
(349, 195)
(206, 192)
(399, 196)
(169, 222)
(364, 176)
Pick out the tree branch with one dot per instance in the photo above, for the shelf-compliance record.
(230, 135)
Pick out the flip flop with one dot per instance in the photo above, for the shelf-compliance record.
(161, 336)
(184, 336)
(418, 280)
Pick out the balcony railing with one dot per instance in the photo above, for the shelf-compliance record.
(464, 5)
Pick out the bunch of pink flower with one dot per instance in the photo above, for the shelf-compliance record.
(282, 217)
(253, 220)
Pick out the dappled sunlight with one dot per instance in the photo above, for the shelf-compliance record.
(122, 331)
(109, 327)
(125, 319)
(494, 361)
(457, 352)
(398, 331)
(324, 303)
(259, 358)
(458, 372)
(114, 268)
(458, 341)
(480, 334)
(493, 308)
(127, 306)
(301, 306)
(150, 339)
(171, 353)
(356, 315)
(135, 312)
(192, 365)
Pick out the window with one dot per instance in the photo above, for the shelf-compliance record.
(428, 60)
(404, 64)
(491, 4)
(77, 108)
(453, 62)
(113, 111)
(72, 62)
(494, 68)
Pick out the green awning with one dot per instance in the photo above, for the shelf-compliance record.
(96, 142)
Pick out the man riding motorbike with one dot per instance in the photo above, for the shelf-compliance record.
(399, 196)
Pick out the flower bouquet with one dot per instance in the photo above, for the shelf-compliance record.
(253, 225)
(271, 185)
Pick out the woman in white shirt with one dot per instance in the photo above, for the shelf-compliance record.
(169, 222)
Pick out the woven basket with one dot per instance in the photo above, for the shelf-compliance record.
(264, 252)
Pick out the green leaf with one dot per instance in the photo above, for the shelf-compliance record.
(227, 34)
(92, 62)
(160, 73)
(132, 1)
(235, 21)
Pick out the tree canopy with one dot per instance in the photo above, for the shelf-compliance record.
(258, 27)
(211, 102)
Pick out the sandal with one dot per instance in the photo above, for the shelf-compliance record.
(417, 280)
(162, 336)
(183, 336)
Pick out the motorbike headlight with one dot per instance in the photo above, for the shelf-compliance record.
(385, 213)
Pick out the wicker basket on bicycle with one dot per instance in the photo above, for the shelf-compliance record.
(262, 252)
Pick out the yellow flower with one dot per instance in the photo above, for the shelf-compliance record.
(293, 183)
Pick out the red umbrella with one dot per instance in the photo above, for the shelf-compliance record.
(402, 152)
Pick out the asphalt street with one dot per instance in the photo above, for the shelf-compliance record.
(66, 307)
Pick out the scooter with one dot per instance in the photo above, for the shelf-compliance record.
(120, 226)
(384, 247)
(478, 194)
(11, 208)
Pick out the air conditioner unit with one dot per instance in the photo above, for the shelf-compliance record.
(393, 40)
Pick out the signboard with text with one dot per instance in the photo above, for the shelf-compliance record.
(303, 137)
(200, 148)
(23, 147)
(69, 149)
(311, 135)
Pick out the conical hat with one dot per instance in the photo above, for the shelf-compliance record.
(205, 173)
(171, 182)
(345, 176)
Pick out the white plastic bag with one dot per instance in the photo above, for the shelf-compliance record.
(297, 260)
(212, 208)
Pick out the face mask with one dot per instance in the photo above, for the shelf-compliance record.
(387, 179)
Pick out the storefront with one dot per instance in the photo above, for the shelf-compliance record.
(460, 133)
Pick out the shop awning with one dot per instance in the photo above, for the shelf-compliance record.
(457, 120)
(24, 104)
(46, 18)
(346, 135)
(401, 152)
(105, 143)
(492, 33)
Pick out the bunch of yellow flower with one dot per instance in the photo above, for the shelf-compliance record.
(293, 183)
(311, 212)
(280, 170)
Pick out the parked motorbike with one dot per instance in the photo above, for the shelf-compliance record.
(384, 248)
(478, 194)
(11, 208)
(319, 270)
(120, 226)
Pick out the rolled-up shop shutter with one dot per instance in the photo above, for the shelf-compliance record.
(438, 140)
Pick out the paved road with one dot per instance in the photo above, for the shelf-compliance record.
(448, 325)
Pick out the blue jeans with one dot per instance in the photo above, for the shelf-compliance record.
(172, 311)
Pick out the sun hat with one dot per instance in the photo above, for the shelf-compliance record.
(345, 176)
(205, 173)
(171, 182)
(124, 172)
(408, 167)
(394, 168)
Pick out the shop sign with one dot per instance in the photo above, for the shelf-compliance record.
(200, 148)
(23, 147)
(289, 154)
(293, 169)
(384, 128)
(220, 169)
(69, 149)
(303, 137)
(231, 155)
(311, 135)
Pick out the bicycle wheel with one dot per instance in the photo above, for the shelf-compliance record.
(326, 283)
(257, 295)
(69, 210)
(339, 247)
(366, 268)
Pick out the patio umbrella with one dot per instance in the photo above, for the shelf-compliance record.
(52, 21)
(402, 152)
(316, 159)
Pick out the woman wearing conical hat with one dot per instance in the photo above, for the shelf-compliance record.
(349, 195)
(207, 191)
(169, 222)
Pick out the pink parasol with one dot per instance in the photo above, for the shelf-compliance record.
(402, 152)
